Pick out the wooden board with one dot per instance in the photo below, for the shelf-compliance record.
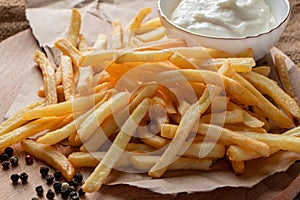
(15, 64)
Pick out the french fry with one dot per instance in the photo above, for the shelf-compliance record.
(152, 35)
(238, 167)
(262, 70)
(228, 137)
(116, 35)
(267, 86)
(227, 117)
(51, 156)
(283, 74)
(186, 125)
(49, 77)
(58, 75)
(59, 90)
(154, 22)
(144, 163)
(101, 42)
(72, 140)
(248, 53)
(28, 130)
(96, 179)
(171, 43)
(83, 43)
(74, 27)
(15, 121)
(85, 81)
(108, 108)
(67, 107)
(138, 19)
(68, 49)
(67, 77)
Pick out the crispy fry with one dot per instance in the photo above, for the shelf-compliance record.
(227, 117)
(15, 121)
(74, 27)
(116, 36)
(154, 22)
(186, 125)
(138, 19)
(83, 43)
(85, 81)
(262, 70)
(67, 77)
(96, 179)
(28, 130)
(101, 42)
(152, 35)
(267, 86)
(58, 75)
(238, 167)
(283, 74)
(51, 156)
(49, 77)
(68, 49)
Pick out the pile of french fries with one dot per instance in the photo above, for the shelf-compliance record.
(139, 99)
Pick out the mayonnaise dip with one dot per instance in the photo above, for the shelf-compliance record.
(224, 18)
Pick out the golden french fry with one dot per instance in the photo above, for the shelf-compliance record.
(108, 108)
(96, 179)
(238, 167)
(15, 121)
(58, 75)
(151, 23)
(85, 81)
(144, 163)
(283, 74)
(68, 49)
(248, 53)
(67, 77)
(138, 19)
(140, 148)
(170, 43)
(67, 107)
(267, 86)
(51, 156)
(83, 43)
(72, 140)
(227, 117)
(243, 127)
(262, 70)
(101, 42)
(152, 35)
(116, 35)
(59, 90)
(74, 27)
(186, 125)
(229, 137)
(28, 130)
(49, 77)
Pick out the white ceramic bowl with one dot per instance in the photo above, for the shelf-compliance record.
(261, 44)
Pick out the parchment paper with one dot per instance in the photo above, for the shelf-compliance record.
(49, 22)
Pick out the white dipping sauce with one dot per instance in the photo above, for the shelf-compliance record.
(224, 18)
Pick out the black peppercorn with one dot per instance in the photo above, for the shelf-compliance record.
(39, 190)
(49, 179)
(29, 159)
(34, 198)
(4, 157)
(5, 165)
(65, 185)
(64, 193)
(50, 194)
(78, 177)
(14, 160)
(9, 151)
(14, 178)
(57, 175)
(75, 198)
(74, 183)
(24, 177)
(73, 193)
(57, 186)
(44, 171)
(81, 192)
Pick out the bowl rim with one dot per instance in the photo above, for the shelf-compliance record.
(286, 18)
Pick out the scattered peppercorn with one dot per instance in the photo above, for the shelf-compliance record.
(44, 171)
(49, 179)
(29, 159)
(39, 190)
(14, 160)
(81, 192)
(34, 198)
(75, 198)
(64, 193)
(73, 193)
(78, 177)
(57, 186)
(65, 185)
(74, 183)
(57, 175)
(4, 157)
(9, 151)
(14, 178)
(50, 194)
(24, 177)
(5, 165)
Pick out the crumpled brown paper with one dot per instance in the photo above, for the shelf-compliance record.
(49, 21)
